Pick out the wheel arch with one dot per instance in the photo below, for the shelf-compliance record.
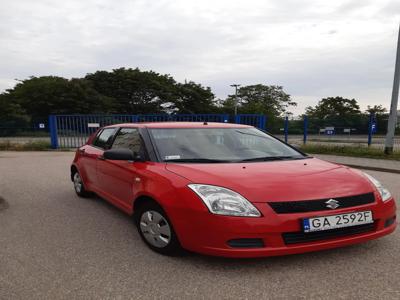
(143, 199)
(73, 169)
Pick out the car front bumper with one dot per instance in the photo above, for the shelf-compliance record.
(205, 233)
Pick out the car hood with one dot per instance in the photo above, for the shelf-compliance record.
(288, 180)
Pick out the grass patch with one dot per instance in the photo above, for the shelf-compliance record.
(29, 146)
(349, 151)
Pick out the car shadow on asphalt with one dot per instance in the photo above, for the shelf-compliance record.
(3, 204)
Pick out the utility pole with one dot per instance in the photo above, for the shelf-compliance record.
(236, 98)
(393, 106)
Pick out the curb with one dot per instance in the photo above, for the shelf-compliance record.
(394, 171)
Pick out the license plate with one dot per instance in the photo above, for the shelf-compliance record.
(337, 221)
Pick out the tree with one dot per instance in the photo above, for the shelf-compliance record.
(270, 100)
(134, 91)
(193, 98)
(336, 112)
(41, 96)
(376, 109)
(11, 113)
(122, 91)
(333, 107)
(143, 92)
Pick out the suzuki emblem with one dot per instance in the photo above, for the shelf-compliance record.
(332, 204)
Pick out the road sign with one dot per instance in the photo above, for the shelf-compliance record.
(373, 127)
(329, 130)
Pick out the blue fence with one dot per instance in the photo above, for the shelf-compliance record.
(297, 131)
(70, 131)
(258, 121)
(221, 118)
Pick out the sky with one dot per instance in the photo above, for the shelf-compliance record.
(314, 49)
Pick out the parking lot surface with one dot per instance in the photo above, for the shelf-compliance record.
(55, 245)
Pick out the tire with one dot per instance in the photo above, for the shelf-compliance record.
(79, 186)
(156, 230)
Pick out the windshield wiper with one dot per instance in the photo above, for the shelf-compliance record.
(197, 160)
(272, 158)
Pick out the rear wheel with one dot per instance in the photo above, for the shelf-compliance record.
(79, 186)
(156, 230)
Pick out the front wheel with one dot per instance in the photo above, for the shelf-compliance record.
(79, 186)
(156, 230)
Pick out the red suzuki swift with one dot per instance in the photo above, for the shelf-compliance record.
(229, 190)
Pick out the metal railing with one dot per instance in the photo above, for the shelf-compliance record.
(69, 131)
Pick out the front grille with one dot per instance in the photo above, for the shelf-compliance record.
(317, 205)
(305, 237)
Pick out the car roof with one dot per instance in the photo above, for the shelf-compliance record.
(181, 125)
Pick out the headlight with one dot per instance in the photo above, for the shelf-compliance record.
(385, 194)
(222, 201)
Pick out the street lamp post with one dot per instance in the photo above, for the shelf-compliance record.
(393, 107)
(236, 98)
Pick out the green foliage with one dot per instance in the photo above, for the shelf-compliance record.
(376, 109)
(29, 146)
(334, 107)
(121, 91)
(41, 96)
(144, 92)
(194, 99)
(134, 91)
(269, 100)
(11, 113)
(338, 112)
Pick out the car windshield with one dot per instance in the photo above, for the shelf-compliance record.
(214, 145)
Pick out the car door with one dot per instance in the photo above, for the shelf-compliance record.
(89, 154)
(117, 179)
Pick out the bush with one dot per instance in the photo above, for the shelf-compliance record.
(29, 146)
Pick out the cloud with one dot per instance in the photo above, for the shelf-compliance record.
(313, 48)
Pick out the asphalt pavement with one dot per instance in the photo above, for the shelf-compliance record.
(54, 245)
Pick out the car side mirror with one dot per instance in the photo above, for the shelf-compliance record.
(137, 157)
(119, 154)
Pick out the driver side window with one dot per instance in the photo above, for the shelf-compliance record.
(129, 138)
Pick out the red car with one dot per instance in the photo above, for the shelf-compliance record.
(229, 190)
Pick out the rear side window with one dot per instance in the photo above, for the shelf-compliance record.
(104, 139)
(128, 138)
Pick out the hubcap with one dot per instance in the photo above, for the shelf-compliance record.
(155, 229)
(77, 182)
